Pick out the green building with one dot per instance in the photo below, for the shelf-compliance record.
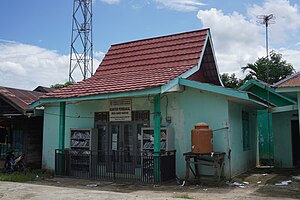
(141, 90)
(276, 126)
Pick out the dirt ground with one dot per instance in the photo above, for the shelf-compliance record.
(257, 184)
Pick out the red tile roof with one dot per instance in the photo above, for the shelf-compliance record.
(291, 81)
(140, 65)
(19, 99)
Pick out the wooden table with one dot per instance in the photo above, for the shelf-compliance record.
(214, 159)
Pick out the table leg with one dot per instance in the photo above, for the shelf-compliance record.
(187, 167)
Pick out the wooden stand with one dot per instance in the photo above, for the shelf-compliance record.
(214, 159)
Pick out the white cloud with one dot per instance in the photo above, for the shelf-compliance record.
(180, 5)
(292, 56)
(239, 40)
(138, 4)
(111, 2)
(236, 40)
(11, 67)
(287, 21)
(98, 55)
(26, 66)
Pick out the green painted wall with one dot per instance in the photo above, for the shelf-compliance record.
(185, 109)
(190, 107)
(282, 139)
(78, 115)
(50, 135)
(241, 160)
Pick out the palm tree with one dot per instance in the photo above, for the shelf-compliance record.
(278, 69)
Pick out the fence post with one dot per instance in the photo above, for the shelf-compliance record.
(114, 164)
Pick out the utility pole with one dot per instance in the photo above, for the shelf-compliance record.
(81, 55)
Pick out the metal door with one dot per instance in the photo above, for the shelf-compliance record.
(122, 147)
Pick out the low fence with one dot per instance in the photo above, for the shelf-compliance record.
(116, 165)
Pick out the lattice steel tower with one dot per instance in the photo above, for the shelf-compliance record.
(81, 56)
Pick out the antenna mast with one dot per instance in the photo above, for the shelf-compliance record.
(81, 56)
(266, 20)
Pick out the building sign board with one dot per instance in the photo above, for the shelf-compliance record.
(120, 110)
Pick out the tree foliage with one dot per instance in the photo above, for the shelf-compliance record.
(231, 81)
(278, 69)
(61, 85)
(269, 70)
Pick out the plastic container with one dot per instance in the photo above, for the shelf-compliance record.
(202, 139)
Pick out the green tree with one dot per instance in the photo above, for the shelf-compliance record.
(61, 85)
(278, 69)
(231, 81)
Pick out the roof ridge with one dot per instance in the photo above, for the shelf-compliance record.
(158, 37)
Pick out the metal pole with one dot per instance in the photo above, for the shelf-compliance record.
(267, 42)
(62, 120)
(266, 20)
(157, 138)
(61, 142)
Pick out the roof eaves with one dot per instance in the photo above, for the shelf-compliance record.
(14, 105)
(253, 96)
(288, 89)
(214, 89)
(203, 50)
(214, 56)
(151, 91)
(259, 103)
(253, 82)
(284, 108)
(169, 85)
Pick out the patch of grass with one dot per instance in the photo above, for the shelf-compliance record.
(183, 196)
(23, 177)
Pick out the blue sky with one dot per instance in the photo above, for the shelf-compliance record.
(35, 34)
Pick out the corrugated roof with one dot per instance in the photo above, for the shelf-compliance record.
(140, 65)
(19, 99)
(291, 81)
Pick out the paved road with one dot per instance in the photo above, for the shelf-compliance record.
(66, 191)
(14, 191)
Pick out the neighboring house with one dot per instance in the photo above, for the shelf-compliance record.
(20, 129)
(270, 141)
(164, 82)
(286, 122)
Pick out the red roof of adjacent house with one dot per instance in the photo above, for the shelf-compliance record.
(19, 99)
(140, 65)
(291, 81)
